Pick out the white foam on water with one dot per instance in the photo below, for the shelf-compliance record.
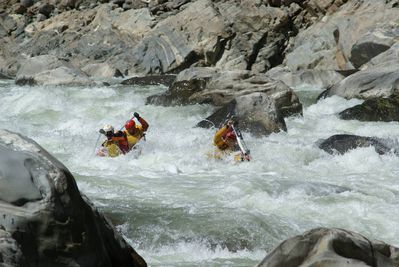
(289, 187)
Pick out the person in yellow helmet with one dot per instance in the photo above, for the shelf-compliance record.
(135, 132)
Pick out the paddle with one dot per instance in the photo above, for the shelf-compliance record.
(98, 139)
(240, 140)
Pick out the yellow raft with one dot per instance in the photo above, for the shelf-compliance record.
(226, 155)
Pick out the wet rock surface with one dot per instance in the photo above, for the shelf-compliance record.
(326, 247)
(44, 218)
(342, 143)
(376, 109)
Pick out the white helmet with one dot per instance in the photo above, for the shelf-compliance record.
(108, 128)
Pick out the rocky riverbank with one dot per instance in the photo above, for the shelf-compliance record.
(233, 48)
(244, 57)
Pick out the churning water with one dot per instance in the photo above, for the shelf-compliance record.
(177, 207)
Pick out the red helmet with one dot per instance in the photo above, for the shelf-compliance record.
(230, 135)
(130, 125)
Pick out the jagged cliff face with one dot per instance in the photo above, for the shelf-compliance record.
(294, 42)
(141, 37)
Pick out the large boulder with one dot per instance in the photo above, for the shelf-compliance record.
(46, 219)
(180, 40)
(324, 247)
(388, 58)
(10, 252)
(373, 43)
(210, 85)
(375, 109)
(342, 143)
(49, 70)
(97, 35)
(101, 70)
(327, 44)
(256, 113)
(315, 78)
(370, 83)
(258, 35)
(4, 76)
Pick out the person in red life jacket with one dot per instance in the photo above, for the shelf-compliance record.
(135, 132)
(119, 138)
(226, 141)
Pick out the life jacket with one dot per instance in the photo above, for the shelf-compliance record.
(219, 138)
(122, 142)
(132, 139)
(119, 138)
(113, 150)
(109, 149)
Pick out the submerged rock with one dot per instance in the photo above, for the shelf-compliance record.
(376, 109)
(45, 218)
(342, 143)
(324, 247)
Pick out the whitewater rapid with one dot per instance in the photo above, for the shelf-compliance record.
(177, 207)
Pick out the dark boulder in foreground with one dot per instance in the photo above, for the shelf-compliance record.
(342, 143)
(323, 247)
(45, 221)
(376, 109)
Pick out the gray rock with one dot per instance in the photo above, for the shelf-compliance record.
(49, 70)
(373, 43)
(40, 17)
(179, 41)
(10, 252)
(369, 83)
(314, 78)
(259, 35)
(210, 85)
(4, 76)
(376, 109)
(385, 59)
(8, 24)
(46, 9)
(256, 113)
(166, 80)
(324, 247)
(26, 3)
(44, 212)
(20, 9)
(342, 143)
(101, 70)
(320, 47)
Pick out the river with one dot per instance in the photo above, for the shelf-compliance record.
(177, 207)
